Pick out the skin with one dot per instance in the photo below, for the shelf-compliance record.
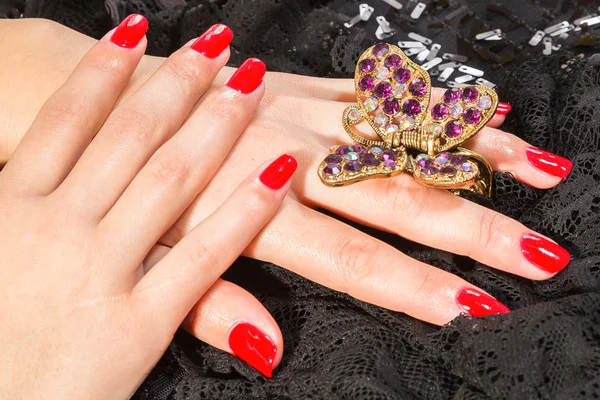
(112, 305)
(300, 116)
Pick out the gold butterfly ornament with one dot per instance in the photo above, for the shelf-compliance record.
(393, 95)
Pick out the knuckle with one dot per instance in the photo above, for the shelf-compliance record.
(200, 255)
(171, 170)
(137, 123)
(403, 195)
(429, 284)
(223, 107)
(486, 231)
(105, 64)
(185, 71)
(355, 260)
(71, 106)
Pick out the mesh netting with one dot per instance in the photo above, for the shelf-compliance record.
(339, 348)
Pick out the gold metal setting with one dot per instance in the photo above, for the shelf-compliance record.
(412, 137)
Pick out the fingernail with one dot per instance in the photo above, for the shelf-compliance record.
(213, 41)
(503, 108)
(544, 253)
(279, 172)
(254, 347)
(129, 32)
(248, 76)
(548, 162)
(479, 304)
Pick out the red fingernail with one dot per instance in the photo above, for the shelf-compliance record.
(129, 32)
(254, 347)
(479, 304)
(544, 253)
(279, 172)
(248, 76)
(548, 162)
(503, 108)
(213, 41)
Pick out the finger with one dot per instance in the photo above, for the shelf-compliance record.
(231, 319)
(73, 114)
(323, 116)
(184, 165)
(175, 284)
(145, 121)
(440, 219)
(508, 153)
(342, 258)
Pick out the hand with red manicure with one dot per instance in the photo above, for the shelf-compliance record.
(301, 116)
(88, 305)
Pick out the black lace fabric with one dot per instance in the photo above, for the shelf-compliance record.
(339, 348)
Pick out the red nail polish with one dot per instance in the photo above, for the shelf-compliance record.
(213, 41)
(129, 32)
(503, 108)
(254, 347)
(248, 76)
(544, 253)
(479, 304)
(548, 162)
(279, 172)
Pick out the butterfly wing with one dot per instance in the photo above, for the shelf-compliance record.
(461, 169)
(459, 115)
(349, 164)
(393, 92)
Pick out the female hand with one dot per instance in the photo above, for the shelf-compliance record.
(301, 115)
(78, 312)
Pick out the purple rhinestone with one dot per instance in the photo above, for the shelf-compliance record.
(390, 163)
(447, 170)
(457, 160)
(453, 129)
(332, 169)
(390, 106)
(343, 150)
(383, 89)
(366, 83)
(469, 94)
(472, 116)
(442, 159)
(451, 96)
(367, 65)
(466, 166)
(380, 50)
(429, 171)
(388, 155)
(424, 162)
(402, 75)
(440, 112)
(373, 149)
(356, 148)
(333, 158)
(411, 107)
(393, 61)
(353, 166)
(417, 87)
(370, 160)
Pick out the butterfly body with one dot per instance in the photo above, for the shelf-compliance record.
(393, 95)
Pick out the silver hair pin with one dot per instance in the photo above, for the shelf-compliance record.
(471, 71)
(416, 13)
(364, 13)
(445, 74)
(419, 38)
(433, 52)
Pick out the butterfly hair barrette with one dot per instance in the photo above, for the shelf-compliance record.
(393, 95)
